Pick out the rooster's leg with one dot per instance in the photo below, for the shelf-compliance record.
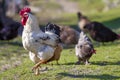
(36, 67)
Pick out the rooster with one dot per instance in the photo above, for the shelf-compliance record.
(42, 46)
(84, 49)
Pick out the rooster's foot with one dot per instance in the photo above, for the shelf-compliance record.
(36, 70)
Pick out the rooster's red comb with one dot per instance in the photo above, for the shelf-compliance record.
(25, 9)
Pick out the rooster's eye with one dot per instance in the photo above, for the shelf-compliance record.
(80, 46)
(25, 15)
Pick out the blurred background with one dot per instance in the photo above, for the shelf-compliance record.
(61, 12)
(64, 12)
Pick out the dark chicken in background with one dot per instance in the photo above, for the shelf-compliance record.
(100, 33)
(82, 21)
(97, 30)
(68, 35)
(8, 28)
(9, 32)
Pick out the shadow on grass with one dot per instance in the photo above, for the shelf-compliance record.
(104, 63)
(69, 46)
(100, 63)
(102, 77)
(70, 63)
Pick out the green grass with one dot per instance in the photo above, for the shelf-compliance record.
(104, 65)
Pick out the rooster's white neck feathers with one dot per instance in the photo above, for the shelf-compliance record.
(32, 24)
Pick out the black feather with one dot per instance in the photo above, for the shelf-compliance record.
(53, 28)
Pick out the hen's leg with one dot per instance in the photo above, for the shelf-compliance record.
(57, 62)
(79, 61)
(58, 53)
(87, 61)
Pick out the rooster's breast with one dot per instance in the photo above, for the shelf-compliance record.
(29, 43)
